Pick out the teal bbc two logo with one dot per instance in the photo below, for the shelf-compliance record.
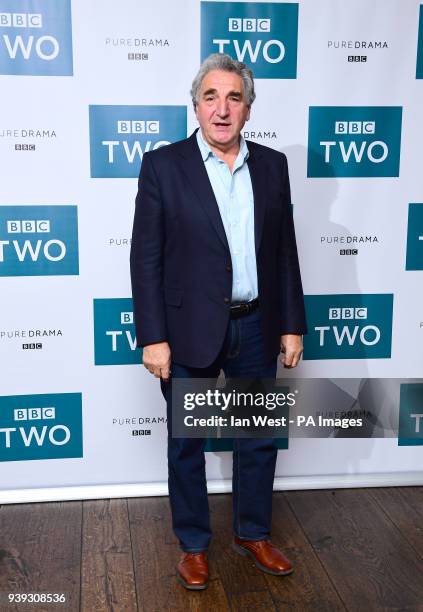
(419, 68)
(354, 326)
(36, 37)
(354, 141)
(44, 426)
(263, 35)
(410, 427)
(414, 260)
(120, 135)
(38, 240)
(115, 341)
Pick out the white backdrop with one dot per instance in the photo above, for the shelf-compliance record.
(53, 155)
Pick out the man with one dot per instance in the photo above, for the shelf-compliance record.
(216, 285)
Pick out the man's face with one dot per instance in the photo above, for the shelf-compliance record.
(221, 108)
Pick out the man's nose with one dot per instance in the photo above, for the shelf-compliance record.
(222, 108)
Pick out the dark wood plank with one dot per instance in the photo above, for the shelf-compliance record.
(253, 602)
(404, 506)
(41, 551)
(309, 587)
(156, 553)
(371, 563)
(107, 572)
(352, 549)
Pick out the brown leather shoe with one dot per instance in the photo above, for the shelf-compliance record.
(265, 556)
(193, 571)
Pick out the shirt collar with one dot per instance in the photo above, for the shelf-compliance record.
(206, 151)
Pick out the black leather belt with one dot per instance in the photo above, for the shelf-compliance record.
(240, 310)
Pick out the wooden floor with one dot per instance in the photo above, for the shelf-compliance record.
(353, 549)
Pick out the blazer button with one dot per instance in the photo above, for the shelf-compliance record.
(228, 268)
(226, 300)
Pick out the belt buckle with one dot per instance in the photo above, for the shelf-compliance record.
(239, 309)
(235, 310)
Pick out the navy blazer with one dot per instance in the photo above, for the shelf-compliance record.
(181, 269)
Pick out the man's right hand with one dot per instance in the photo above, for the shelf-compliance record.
(156, 358)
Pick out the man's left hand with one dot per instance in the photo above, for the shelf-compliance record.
(291, 349)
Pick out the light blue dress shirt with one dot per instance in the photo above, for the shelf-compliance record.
(234, 195)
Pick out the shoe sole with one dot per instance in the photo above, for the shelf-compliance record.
(246, 553)
(191, 587)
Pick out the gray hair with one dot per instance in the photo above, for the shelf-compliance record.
(222, 61)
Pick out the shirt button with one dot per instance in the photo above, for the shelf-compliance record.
(226, 300)
(228, 268)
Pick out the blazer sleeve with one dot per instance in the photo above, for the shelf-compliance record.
(293, 311)
(146, 259)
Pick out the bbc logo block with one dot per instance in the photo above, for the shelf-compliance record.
(120, 135)
(115, 341)
(410, 427)
(414, 260)
(348, 326)
(36, 38)
(354, 141)
(42, 426)
(38, 240)
(263, 35)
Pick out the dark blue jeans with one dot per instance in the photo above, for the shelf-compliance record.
(254, 460)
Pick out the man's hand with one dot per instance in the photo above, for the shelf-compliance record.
(156, 358)
(291, 349)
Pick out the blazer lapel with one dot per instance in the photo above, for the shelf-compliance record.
(258, 174)
(196, 173)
